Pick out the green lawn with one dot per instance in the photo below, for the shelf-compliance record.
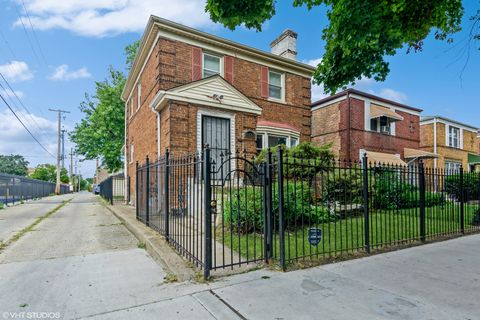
(387, 228)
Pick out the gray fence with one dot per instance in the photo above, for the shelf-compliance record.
(17, 188)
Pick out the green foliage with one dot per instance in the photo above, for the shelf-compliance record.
(130, 53)
(471, 186)
(48, 172)
(344, 185)
(100, 134)
(243, 211)
(476, 218)
(13, 164)
(391, 192)
(302, 161)
(359, 34)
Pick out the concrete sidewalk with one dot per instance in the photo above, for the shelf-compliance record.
(434, 281)
(15, 218)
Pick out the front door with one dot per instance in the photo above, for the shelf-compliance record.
(216, 133)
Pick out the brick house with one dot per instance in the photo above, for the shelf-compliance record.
(357, 122)
(188, 88)
(456, 143)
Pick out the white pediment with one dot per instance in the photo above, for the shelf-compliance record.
(212, 91)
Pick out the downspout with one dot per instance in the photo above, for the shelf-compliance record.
(125, 156)
(158, 134)
(349, 127)
(435, 142)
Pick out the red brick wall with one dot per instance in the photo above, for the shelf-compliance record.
(170, 65)
(330, 124)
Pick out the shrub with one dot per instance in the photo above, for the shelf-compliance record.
(391, 192)
(243, 211)
(344, 186)
(471, 186)
(476, 218)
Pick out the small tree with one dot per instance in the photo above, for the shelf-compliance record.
(48, 172)
(13, 164)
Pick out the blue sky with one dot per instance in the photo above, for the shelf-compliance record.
(74, 42)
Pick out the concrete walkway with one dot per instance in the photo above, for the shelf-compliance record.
(15, 218)
(435, 281)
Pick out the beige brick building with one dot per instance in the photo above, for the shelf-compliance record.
(188, 88)
(455, 143)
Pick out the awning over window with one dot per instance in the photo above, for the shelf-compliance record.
(378, 111)
(279, 125)
(415, 153)
(473, 158)
(384, 158)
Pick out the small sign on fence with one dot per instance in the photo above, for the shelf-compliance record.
(314, 236)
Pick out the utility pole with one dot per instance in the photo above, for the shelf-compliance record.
(63, 148)
(71, 170)
(59, 112)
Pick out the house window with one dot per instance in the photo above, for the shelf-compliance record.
(260, 142)
(269, 140)
(452, 167)
(453, 137)
(275, 87)
(381, 124)
(211, 65)
(131, 153)
(139, 95)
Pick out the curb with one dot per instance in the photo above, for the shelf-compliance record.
(157, 247)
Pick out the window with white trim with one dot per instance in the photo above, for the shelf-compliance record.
(452, 167)
(131, 153)
(275, 85)
(381, 124)
(270, 140)
(453, 137)
(139, 95)
(212, 65)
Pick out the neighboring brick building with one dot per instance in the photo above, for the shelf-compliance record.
(188, 88)
(356, 122)
(456, 143)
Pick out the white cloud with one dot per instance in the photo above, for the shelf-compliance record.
(10, 94)
(110, 17)
(14, 139)
(16, 71)
(62, 73)
(394, 95)
(313, 62)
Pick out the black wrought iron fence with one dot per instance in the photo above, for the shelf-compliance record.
(15, 188)
(288, 209)
(113, 189)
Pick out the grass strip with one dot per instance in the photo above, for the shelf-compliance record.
(29, 228)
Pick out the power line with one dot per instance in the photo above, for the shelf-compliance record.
(28, 37)
(19, 100)
(16, 116)
(34, 33)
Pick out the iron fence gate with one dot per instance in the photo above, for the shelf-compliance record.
(113, 189)
(288, 209)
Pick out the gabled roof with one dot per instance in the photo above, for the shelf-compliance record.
(366, 95)
(159, 26)
(213, 91)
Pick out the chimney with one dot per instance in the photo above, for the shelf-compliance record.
(285, 45)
